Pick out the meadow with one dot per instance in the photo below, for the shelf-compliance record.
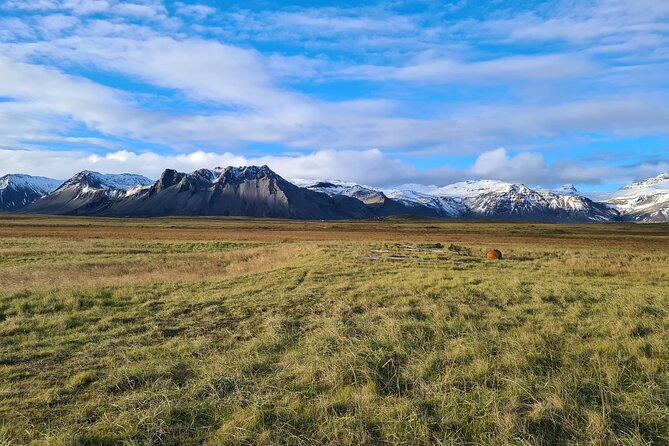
(232, 331)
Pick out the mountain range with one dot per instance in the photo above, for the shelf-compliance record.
(257, 191)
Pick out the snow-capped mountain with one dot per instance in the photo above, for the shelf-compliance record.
(565, 189)
(481, 199)
(89, 181)
(445, 206)
(89, 192)
(363, 193)
(18, 190)
(499, 200)
(388, 201)
(644, 201)
(257, 191)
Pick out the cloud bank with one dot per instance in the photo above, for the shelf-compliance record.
(371, 167)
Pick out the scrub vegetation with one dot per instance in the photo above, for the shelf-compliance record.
(238, 331)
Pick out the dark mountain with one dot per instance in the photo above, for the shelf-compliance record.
(235, 191)
(246, 191)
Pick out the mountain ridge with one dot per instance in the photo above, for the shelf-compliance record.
(257, 191)
(19, 190)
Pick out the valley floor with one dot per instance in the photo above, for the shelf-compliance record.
(235, 331)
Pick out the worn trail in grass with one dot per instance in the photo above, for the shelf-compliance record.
(296, 340)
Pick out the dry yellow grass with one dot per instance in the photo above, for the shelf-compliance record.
(233, 331)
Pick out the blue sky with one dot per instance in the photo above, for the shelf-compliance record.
(390, 92)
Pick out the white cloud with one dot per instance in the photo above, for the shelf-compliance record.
(203, 69)
(329, 21)
(603, 18)
(50, 101)
(538, 67)
(147, 9)
(86, 7)
(632, 28)
(195, 10)
(47, 88)
(138, 10)
(12, 28)
(47, 102)
(499, 165)
(371, 167)
(31, 5)
(53, 25)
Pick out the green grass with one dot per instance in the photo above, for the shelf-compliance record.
(303, 342)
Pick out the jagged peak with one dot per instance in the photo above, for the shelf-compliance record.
(83, 178)
(248, 172)
(205, 174)
(169, 177)
(521, 188)
(564, 190)
(85, 174)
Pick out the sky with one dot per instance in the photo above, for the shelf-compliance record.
(381, 93)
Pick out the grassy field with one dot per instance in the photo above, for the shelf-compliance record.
(234, 331)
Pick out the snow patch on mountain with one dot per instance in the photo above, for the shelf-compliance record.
(492, 199)
(481, 198)
(565, 189)
(90, 181)
(19, 190)
(41, 185)
(448, 206)
(87, 183)
(473, 188)
(366, 194)
(643, 201)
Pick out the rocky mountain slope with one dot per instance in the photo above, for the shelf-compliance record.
(235, 191)
(18, 190)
